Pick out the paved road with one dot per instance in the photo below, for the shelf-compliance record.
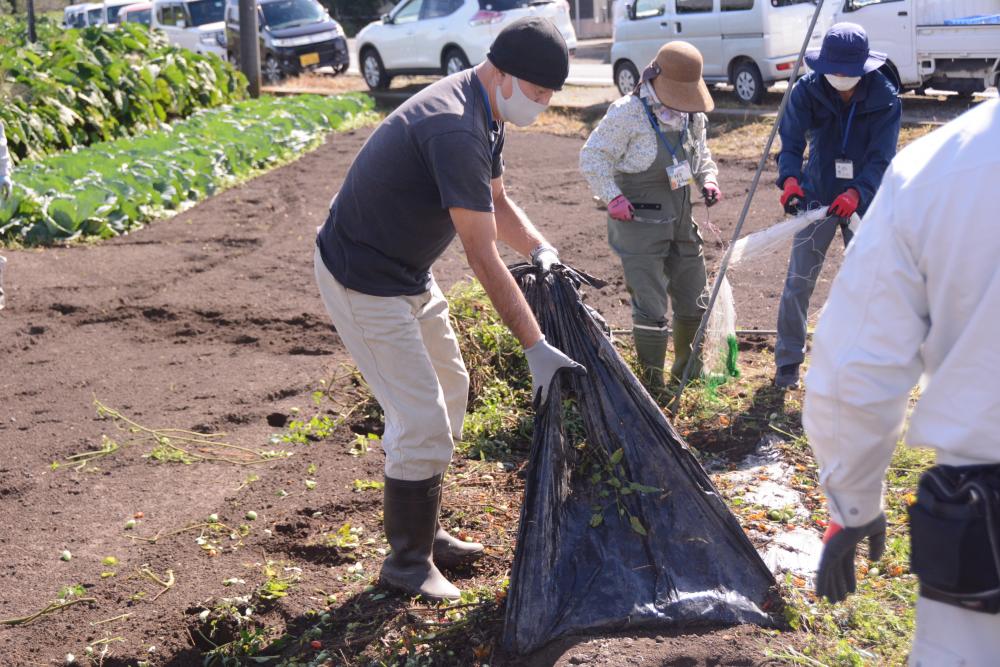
(582, 72)
(591, 70)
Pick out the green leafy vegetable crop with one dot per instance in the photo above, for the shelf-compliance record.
(79, 87)
(112, 187)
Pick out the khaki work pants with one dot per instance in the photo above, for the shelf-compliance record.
(407, 352)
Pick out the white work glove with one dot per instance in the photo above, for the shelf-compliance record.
(545, 361)
(544, 256)
(6, 186)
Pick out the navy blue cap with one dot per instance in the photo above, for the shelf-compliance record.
(845, 51)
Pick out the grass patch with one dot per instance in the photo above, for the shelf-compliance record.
(364, 625)
(873, 626)
(499, 418)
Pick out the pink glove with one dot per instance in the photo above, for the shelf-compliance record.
(846, 204)
(621, 208)
(711, 193)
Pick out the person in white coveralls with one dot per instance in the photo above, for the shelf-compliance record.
(918, 301)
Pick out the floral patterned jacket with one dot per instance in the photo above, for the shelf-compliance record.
(624, 142)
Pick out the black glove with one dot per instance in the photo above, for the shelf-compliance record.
(835, 578)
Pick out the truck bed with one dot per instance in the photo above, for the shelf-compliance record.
(959, 41)
(936, 12)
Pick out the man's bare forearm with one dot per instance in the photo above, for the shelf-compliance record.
(515, 229)
(504, 294)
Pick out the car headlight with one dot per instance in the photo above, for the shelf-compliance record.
(213, 37)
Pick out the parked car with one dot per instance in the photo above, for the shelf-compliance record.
(140, 12)
(112, 9)
(72, 15)
(945, 45)
(295, 36)
(196, 25)
(748, 43)
(445, 36)
(93, 14)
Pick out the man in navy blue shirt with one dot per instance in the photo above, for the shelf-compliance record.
(433, 170)
(849, 113)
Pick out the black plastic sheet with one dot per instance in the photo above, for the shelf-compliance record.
(666, 552)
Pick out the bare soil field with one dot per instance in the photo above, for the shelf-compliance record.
(210, 322)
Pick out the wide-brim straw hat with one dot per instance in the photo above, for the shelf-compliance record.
(675, 75)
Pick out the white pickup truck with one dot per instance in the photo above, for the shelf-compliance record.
(942, 44)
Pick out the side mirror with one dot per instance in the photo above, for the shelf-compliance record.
(630, 10)
(386, 19)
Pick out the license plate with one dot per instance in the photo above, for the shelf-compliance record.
(309, 59)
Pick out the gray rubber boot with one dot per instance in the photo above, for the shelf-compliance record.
(684, 333)
(411, 522)
(651, 351)
(449, 551)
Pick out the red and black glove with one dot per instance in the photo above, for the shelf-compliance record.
(835, 578)
(846, 204)
(792, 196)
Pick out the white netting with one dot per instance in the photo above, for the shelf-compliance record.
(719, 348)
(720, 333)
(772, 238)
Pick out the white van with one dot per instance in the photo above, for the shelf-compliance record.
(92, 14)
(72, 16)
(112, 9)
(748, 43)
(197, 25)
(945, 44)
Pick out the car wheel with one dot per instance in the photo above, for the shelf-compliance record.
(454, 61)
(340, 69)
(271, 71)
(626, 76)
(748, 83)
(373, 71)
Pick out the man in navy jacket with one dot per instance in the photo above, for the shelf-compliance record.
(849, 114)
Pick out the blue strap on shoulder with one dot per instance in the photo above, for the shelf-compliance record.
(656, 128)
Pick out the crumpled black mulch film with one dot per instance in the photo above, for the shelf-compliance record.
(694, 566)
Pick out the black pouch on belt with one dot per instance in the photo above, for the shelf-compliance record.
(955, 533)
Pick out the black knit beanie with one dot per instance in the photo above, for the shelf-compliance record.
(532, 49)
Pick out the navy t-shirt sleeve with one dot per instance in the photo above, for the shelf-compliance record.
(462, 166)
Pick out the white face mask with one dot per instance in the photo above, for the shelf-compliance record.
(519, 108)
(670, 118)
(842, 83)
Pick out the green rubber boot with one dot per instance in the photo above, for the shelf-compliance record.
(651, 351)
(684, 333)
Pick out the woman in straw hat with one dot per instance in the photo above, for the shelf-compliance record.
(643, 158)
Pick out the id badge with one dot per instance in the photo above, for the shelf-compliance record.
(679, 175)
(844, 169)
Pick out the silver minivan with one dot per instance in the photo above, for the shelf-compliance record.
(748, 43)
